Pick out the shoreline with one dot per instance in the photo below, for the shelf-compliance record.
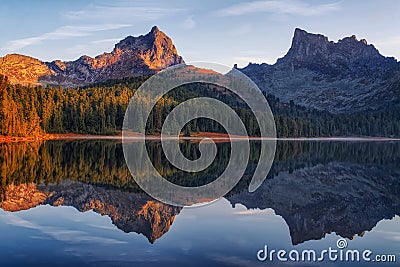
(195, 137)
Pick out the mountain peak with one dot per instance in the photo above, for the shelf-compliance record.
(306, 44)
(316, 52)
(345, 76)
(147, 41)
(302, 35)
(132, 56)
(353, 40)
(155, 29)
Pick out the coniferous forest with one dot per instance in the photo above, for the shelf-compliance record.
(100, 109)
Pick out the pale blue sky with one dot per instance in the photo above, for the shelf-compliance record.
(225, 32)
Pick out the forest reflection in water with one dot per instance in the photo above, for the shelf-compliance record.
(317, 187)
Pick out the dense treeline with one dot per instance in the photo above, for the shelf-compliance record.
(100, 109)
(32, 111)
(102, 163)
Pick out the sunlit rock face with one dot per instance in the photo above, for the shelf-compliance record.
(130, 212)
(22, 69)
(345, 76)
(131, 57)
(22, 197)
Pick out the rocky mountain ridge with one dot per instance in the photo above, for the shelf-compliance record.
(347, 57)
(340, 197)
(129, 212)
(347, 76)
(132, 56)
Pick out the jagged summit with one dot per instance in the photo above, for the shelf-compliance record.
(154, 29)
(132, 56)
(129, 212)
(130, 41)
(345, 76)
(314, 50)
(301, 36)
(155, 48)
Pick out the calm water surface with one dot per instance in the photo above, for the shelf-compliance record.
(74, 202)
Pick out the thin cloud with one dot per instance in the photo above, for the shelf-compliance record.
(292, 7)
(249, 212)
(61, 33)
(106, 41)
(120, 11)
(58, 233)
(113, 16)
(92, 47)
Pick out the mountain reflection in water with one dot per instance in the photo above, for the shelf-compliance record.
(317, 187)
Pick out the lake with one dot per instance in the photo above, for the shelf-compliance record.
(74, 202)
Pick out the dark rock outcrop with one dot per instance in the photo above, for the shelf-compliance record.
(339, 197)
(347, 76)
